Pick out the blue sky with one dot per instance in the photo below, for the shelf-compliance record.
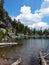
(13, 6)
(46, 19)
(33, 13)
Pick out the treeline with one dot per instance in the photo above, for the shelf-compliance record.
(20, 28)
(1, 10)
(40, 32)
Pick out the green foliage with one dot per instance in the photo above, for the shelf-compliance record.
(20, 28)
(46, 32)
(34, 31)
(1, 34)
(1, 14)
(1, 3)
(14, 24)
(40, 32)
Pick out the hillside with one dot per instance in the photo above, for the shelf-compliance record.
(10, 28)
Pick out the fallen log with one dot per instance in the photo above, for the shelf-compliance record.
(42, 59)
(17, 62)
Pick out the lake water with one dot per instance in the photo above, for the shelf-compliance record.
(28, 50)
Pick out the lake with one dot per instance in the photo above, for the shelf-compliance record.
(28, 50)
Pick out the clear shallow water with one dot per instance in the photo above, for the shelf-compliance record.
(28, 51)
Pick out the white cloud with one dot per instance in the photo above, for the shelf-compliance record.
(45, 4)
(34, 20)
(25, 10)
(27, 17)
(39, 25)
(44, 10)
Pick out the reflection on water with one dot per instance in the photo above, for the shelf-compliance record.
(28, 51)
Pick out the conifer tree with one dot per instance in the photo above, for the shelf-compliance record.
(2, 3)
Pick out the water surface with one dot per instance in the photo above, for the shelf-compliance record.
(28, 51)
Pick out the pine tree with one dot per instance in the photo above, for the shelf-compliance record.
(1, 9)
(2, 3)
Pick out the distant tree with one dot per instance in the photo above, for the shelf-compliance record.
(20, 27)
(1, 3)
(1, 14)
(13, 23)
(6, 13)
(25, 30)
(40, 32)
(46, 32)
(34, 31)
(29, 31)
(1, 9)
